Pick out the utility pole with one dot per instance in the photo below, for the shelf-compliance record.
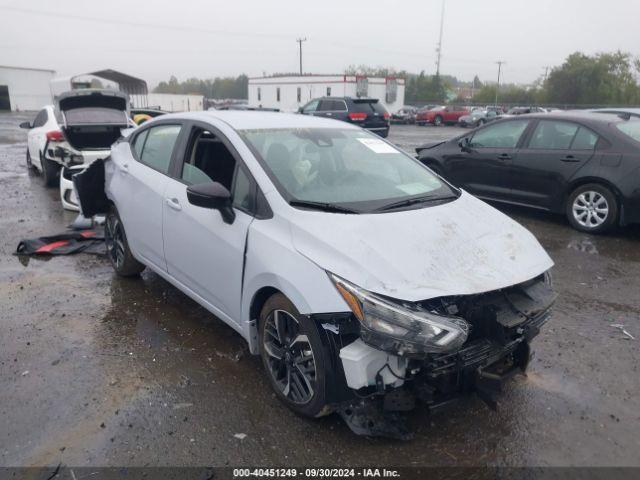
(300, 40)
(500, 63)
(439, 49)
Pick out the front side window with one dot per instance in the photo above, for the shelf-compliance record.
(158, 146)
(346, 167)
(553, 135)
(209, 160)
(501, 135)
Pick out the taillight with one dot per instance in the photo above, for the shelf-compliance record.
(357, 116)
(55, 136)
(386, 115)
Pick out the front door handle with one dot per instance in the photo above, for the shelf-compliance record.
(504, 156)
(174, 204)
(569, 159)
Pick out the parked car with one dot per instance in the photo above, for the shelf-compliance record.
(367, 113)
(406, 115)
(348, 266)
(79, 129)
(477, 118)
(441, 115)
(525, 110)
(583, 165)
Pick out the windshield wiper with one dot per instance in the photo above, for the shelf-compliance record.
(325, 207)
(412, 201)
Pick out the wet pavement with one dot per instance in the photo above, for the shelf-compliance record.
(104, 371)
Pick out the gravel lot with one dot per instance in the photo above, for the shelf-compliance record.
(102, 371)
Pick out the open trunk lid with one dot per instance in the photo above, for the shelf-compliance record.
(92, 119)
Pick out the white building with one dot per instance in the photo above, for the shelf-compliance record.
(172, 102)
(24, 88)
(288, 93)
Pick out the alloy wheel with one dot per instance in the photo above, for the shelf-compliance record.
(114, 240)
(290, 358)
(590, 209)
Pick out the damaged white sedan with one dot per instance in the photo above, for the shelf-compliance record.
(363, 280)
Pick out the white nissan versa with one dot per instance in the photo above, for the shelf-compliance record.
(361, 278)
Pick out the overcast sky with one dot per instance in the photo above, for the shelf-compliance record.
(208, 38)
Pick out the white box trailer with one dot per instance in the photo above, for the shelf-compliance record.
(170, 102)
(24, 88)
(289, 93)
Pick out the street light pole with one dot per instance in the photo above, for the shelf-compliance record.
(439, 49)
(500, 63)
(300, 40)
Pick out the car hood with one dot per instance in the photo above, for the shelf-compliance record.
(459, 248)
(427, 146)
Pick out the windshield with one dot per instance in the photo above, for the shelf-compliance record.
(342, 167)
(630, 129)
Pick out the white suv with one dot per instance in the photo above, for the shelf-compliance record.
(80, 128)
(353, 270)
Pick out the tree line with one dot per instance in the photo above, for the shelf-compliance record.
(600, 79)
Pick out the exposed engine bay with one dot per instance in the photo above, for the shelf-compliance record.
(385, 376)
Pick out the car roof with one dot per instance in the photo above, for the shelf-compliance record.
(577, 115)
(633, 111)
(251, 119)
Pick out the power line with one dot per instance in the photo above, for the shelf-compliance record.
(300, 40)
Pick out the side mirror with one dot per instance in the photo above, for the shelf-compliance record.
(26, 125)
(465, 144)
(213, 196)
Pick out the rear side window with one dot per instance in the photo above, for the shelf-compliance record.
(158, 146)
(585, 139)
(40, 119)
(552, 135)
(139, 143)
(501, 135)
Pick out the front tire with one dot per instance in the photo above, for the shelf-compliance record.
(118, 249)
(293, 357)
(592, 208)
(437, 121)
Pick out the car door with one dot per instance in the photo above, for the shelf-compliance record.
(202, 252)
(484, 166)
(37, 136)
(142, 180)
(555, 150)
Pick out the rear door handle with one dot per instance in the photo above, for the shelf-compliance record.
(174, 204)
(569, 159)
(504, 156)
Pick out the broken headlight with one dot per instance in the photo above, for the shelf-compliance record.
(401, 329)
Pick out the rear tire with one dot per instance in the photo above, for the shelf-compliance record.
(118, 250)
(437, 121)
(50, 172)
(592, 208)
(293, 357)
